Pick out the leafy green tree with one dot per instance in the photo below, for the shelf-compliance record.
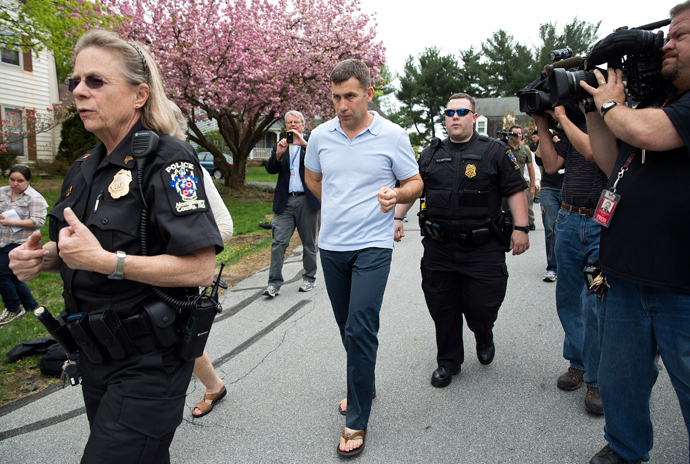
(474, 73)
(508, 65)
(74, 138)
(52, 24)
(578, 35)
(425, 87)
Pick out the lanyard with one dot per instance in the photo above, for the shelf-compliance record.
(629, 160)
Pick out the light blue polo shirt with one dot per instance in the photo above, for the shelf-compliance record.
(353, 173)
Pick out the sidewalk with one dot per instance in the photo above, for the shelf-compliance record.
(284, 366)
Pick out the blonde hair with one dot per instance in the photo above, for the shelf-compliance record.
(138, 67)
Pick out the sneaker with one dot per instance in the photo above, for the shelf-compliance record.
(593, 401)
(9, 316)
(571, 380)
(607, 456)
(306, 286)
(271, 291)
(550, 276)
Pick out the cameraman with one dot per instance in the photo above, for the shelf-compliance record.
(576, 242)
(644, 251)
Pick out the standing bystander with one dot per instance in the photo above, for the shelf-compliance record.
(576, 245)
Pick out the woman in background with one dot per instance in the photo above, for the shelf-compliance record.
(22, 211)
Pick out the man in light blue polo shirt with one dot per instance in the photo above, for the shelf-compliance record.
(352, 165)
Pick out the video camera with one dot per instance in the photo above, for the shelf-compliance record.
(636, 52)
(503, 135)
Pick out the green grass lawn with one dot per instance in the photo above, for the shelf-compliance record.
(247, 209)
(259, 174)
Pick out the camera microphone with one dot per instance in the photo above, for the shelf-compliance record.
(573, 62)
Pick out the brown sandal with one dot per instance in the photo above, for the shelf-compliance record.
(349, 437)
(206, 405)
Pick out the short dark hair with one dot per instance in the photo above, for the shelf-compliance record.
(680, 8)
(458, 96)
(23, 170)
(515, 126)
(352, 68)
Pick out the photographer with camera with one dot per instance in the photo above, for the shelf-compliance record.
(294, 206)
(463, 267)
(644, 253)
(576, 242)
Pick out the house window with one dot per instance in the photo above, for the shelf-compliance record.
(13, 124)
(480, 126)
(9, 57)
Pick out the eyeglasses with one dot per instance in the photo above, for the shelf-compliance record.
(461, 112)
(92, 82)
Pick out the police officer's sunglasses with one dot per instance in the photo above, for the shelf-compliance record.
(92, 82)
(461, 112)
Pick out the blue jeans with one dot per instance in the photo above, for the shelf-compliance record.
(576, 243)
(635, 320)
(550, 204)
(12, 290)
(355, 281)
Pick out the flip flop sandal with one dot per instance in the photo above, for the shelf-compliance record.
(352, 436)
(205, 407)
(344, 412)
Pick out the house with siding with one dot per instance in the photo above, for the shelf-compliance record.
(29, 82)
(491, 112)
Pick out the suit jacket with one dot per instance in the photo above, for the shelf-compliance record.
(280, 197)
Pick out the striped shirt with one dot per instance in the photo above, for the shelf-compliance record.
(583, 180)
(28, 205)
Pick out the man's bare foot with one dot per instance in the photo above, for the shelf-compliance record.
(343, 406)
(348, 444)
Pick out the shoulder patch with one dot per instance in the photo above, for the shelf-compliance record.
(511, 157)
(183, 192)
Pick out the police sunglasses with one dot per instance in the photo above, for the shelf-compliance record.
(92, 82)
(461, 112)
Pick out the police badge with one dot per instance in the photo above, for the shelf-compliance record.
(471, 170)
(119, 187)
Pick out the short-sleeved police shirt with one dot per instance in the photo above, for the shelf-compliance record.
(104, 193)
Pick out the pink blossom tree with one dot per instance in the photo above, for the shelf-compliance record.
(244, 64)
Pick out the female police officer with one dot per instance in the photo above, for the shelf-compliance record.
(135, 394)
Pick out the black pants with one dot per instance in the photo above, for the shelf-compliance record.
(134, 406)
(458, 280)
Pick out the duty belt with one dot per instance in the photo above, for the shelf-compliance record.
(577, 210)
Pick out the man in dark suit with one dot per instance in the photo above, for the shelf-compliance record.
(294, 206)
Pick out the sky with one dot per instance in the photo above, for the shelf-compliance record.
(407, 27)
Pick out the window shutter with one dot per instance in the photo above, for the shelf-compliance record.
(28, 64)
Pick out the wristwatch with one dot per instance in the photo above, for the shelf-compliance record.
(607, 106)
(524, 229)
(118, 274)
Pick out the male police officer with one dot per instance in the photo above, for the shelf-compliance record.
(463, 268)
(644, 251)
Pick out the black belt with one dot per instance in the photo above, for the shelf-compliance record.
(296, 194)
(577, 210)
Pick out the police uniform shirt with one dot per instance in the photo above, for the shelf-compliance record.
(103, 191)
(465, 182)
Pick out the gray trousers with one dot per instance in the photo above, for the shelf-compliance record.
(297, 214)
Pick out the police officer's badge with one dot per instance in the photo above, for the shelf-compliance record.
(185, 183)
(513, 159)
(119, 187)
(471, 170)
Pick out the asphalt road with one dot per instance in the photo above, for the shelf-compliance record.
(284, 367)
